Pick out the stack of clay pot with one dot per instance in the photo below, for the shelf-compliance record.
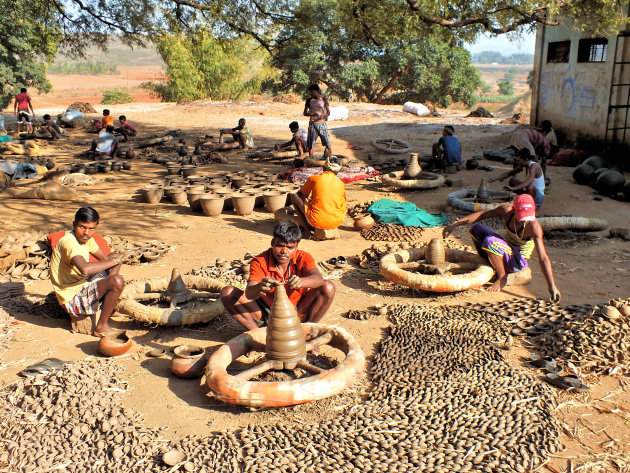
(212, 194)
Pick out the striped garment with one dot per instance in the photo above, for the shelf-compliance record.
(318, 130)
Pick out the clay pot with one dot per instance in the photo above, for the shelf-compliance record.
(243, 203)
(413, 168)
(173, 170)
(285, 337)
(363, 222)
(114, 343)
(193, 199)
(610, 182)
(116, 166)
(195, 180)
(238, 182)
(91, 169)
(189, 170)
(153, 194)
(188, 361)
(104, 167)
(126, 165)
(216, 187)
(179, 197)
(274, 200)
(212, 204)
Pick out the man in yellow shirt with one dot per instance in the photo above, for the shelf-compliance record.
(83, 287)
(321, 202)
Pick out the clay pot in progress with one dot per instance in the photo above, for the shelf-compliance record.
(153, 194)
(285, 338)
(212, 204)
(243, 203)
(413, 168)
(435, 252)
(274, 200)
(363, 222)
(188, 361)
(114, 343)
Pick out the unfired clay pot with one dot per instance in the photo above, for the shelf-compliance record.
(243, 203)
(238, 182)
(153, 194)
(363, 222)
(193, 200)
(189, 170)
(212, 204)
(114, 343)
(179, 197)
(274, 200)
(188, 361)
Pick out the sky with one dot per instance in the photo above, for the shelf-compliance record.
(501, 43)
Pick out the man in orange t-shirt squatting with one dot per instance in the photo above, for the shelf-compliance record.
(306, 288)
(321, 202)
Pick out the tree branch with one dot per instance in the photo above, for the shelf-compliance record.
(397, 75)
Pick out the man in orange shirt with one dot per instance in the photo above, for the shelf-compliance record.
(326, 208)
(306, 288)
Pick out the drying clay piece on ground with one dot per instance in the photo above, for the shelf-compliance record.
(49, 191)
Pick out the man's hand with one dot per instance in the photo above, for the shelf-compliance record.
(449, 229)
(555, 294)
(267, 284)
(295, 282)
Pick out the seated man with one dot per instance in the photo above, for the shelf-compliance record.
(81, 287)
(126, 129)
(284, 262)
(523, 233)
(106, 144)
(52, 128)
(299, 139)
(448, 150)
(534, 183)
(550, 136)
(326, 208)
(242, 135)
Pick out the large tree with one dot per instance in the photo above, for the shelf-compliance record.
(29, 36)
(401, 64)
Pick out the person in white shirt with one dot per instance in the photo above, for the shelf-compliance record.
(299, 139)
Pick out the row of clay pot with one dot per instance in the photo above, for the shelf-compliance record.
(102, 166)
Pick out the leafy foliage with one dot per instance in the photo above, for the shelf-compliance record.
(530, 79)
(29, 40)
(85, 67)
(202, 66)
(505, 86)
(114, 96)
(403, 66)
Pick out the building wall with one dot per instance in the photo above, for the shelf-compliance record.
(573, 95)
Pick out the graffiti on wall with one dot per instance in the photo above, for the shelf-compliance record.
(569, 93)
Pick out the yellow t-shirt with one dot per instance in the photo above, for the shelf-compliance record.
(66, 278)
(327, 208)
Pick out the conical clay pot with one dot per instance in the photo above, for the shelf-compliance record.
(114, 343)
(212, 205)
(274, 200)
(435, 252)
(243, 203)
(363, 222)
(285, 337)
(413, 168)
(482, 192)
(188, 361)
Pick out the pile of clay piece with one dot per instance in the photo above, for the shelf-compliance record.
(392, 232)
(137, 252)
(23, 255)
(235, 272)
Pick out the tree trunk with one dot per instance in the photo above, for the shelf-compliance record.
(381, 93)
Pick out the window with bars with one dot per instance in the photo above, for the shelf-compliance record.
(558, 51)
(593, 50)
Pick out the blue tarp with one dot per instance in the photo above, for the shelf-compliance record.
(404, 213)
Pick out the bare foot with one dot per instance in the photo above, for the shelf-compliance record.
(498, 285)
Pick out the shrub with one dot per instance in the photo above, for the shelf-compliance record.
(114, 96)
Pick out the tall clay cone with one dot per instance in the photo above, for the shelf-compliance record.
(176, 286)
(413, 168)
(285, 337)
(435, 252)
(482, 192)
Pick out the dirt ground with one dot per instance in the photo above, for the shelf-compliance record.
(597, 423)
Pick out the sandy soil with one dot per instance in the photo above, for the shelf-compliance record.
(590, 274)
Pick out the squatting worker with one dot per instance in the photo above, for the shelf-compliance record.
(82, 287)
(284, 262)
(318, 110)
(299, 139)
(448, 150)
(321, 202)
(523, 233)
(534, 183)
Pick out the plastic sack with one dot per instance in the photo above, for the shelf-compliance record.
(416, 109)
(338, 113)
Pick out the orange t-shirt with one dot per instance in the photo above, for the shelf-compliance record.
(264, 265)
(107, 120)
(327, 207)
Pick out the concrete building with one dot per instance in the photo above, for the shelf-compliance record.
(582, 83)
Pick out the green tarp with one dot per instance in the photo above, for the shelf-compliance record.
(404, 213)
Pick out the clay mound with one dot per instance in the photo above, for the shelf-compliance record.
(83, 107)
(480, 113)
(287, 98)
